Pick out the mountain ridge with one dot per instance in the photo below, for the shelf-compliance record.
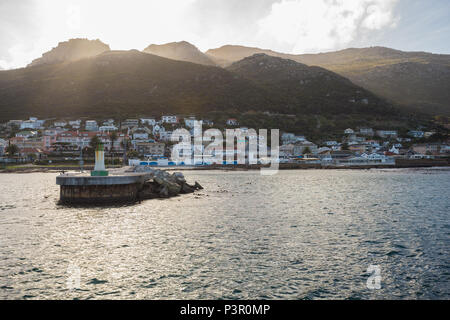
(359, 64)
(71, 50)
(182, 51)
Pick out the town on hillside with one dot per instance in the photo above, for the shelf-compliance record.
(131, 141)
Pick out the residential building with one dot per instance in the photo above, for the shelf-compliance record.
(53, 132)
(416, 134)
(165, 135)
(48, 141)
(148, 121)
(108, 128)
(60, 124)
(300, 147)
(358, 148)
(75, 123)
(169, 119)
(157, 129)
(427, 148)
(208, 123)
(331, 143)
(190, 122)
(33, 123)
(286, 151)
(3, 146)
(26, 134)
(109, 122)
(349, 131)
(150, 149)
(14, 123)
(130, 123)
(140, 135)
(366, 132)
(82, 139)
(91, 125)
(232, 122)
(387, 133)
(291, 138)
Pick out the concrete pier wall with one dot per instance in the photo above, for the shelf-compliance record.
(99, 194)
(84, 189)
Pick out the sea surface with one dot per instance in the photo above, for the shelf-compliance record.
(306, 234)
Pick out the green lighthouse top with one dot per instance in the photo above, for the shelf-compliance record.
(100, 147)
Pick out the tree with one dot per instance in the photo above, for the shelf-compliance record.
(133, 154)
(95, 141)
(12, 150)
(307, 150)
(113, 138)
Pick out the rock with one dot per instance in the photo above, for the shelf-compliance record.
(163, 184)
(197, 186)
(164, 192)
(179, 178)
(187, 188)
(172, 187)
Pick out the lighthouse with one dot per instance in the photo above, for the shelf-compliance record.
(99, 169)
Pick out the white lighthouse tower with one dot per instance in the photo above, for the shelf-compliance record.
(99, 169)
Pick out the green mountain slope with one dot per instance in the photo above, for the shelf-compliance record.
(378, 69)
(132, 83)
(120, 83)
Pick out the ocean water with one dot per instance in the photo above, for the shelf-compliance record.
(306, 234)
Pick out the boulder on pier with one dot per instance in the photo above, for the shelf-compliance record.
(162, 184)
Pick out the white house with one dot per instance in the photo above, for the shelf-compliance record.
(288, 138)
(158, 129)
(53, 132)
(394, 150)
(416, 134)
(349, 131)
(331, 143)
(91, 125)
(3, 145)
(61, 124)
(30, 124)
(169, 119)
(130, 123)
(26, 134)
(366, 131)
(140, 135)
(387, 133)
(108, 128)
(148, 121)
(74, 122)
(232, 122)
(190, 122)
(165, 135)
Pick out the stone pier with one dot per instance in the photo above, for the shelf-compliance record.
(126, 185)
(78, 188)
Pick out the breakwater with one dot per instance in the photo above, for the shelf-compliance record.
(127, 185)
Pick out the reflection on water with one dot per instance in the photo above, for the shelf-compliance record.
(296, 235)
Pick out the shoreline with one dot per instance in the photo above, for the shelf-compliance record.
(283, 166)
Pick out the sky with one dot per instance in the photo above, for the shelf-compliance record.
(29, 28)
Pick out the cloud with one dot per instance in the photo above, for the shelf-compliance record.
(17, 23)
(300, 26)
